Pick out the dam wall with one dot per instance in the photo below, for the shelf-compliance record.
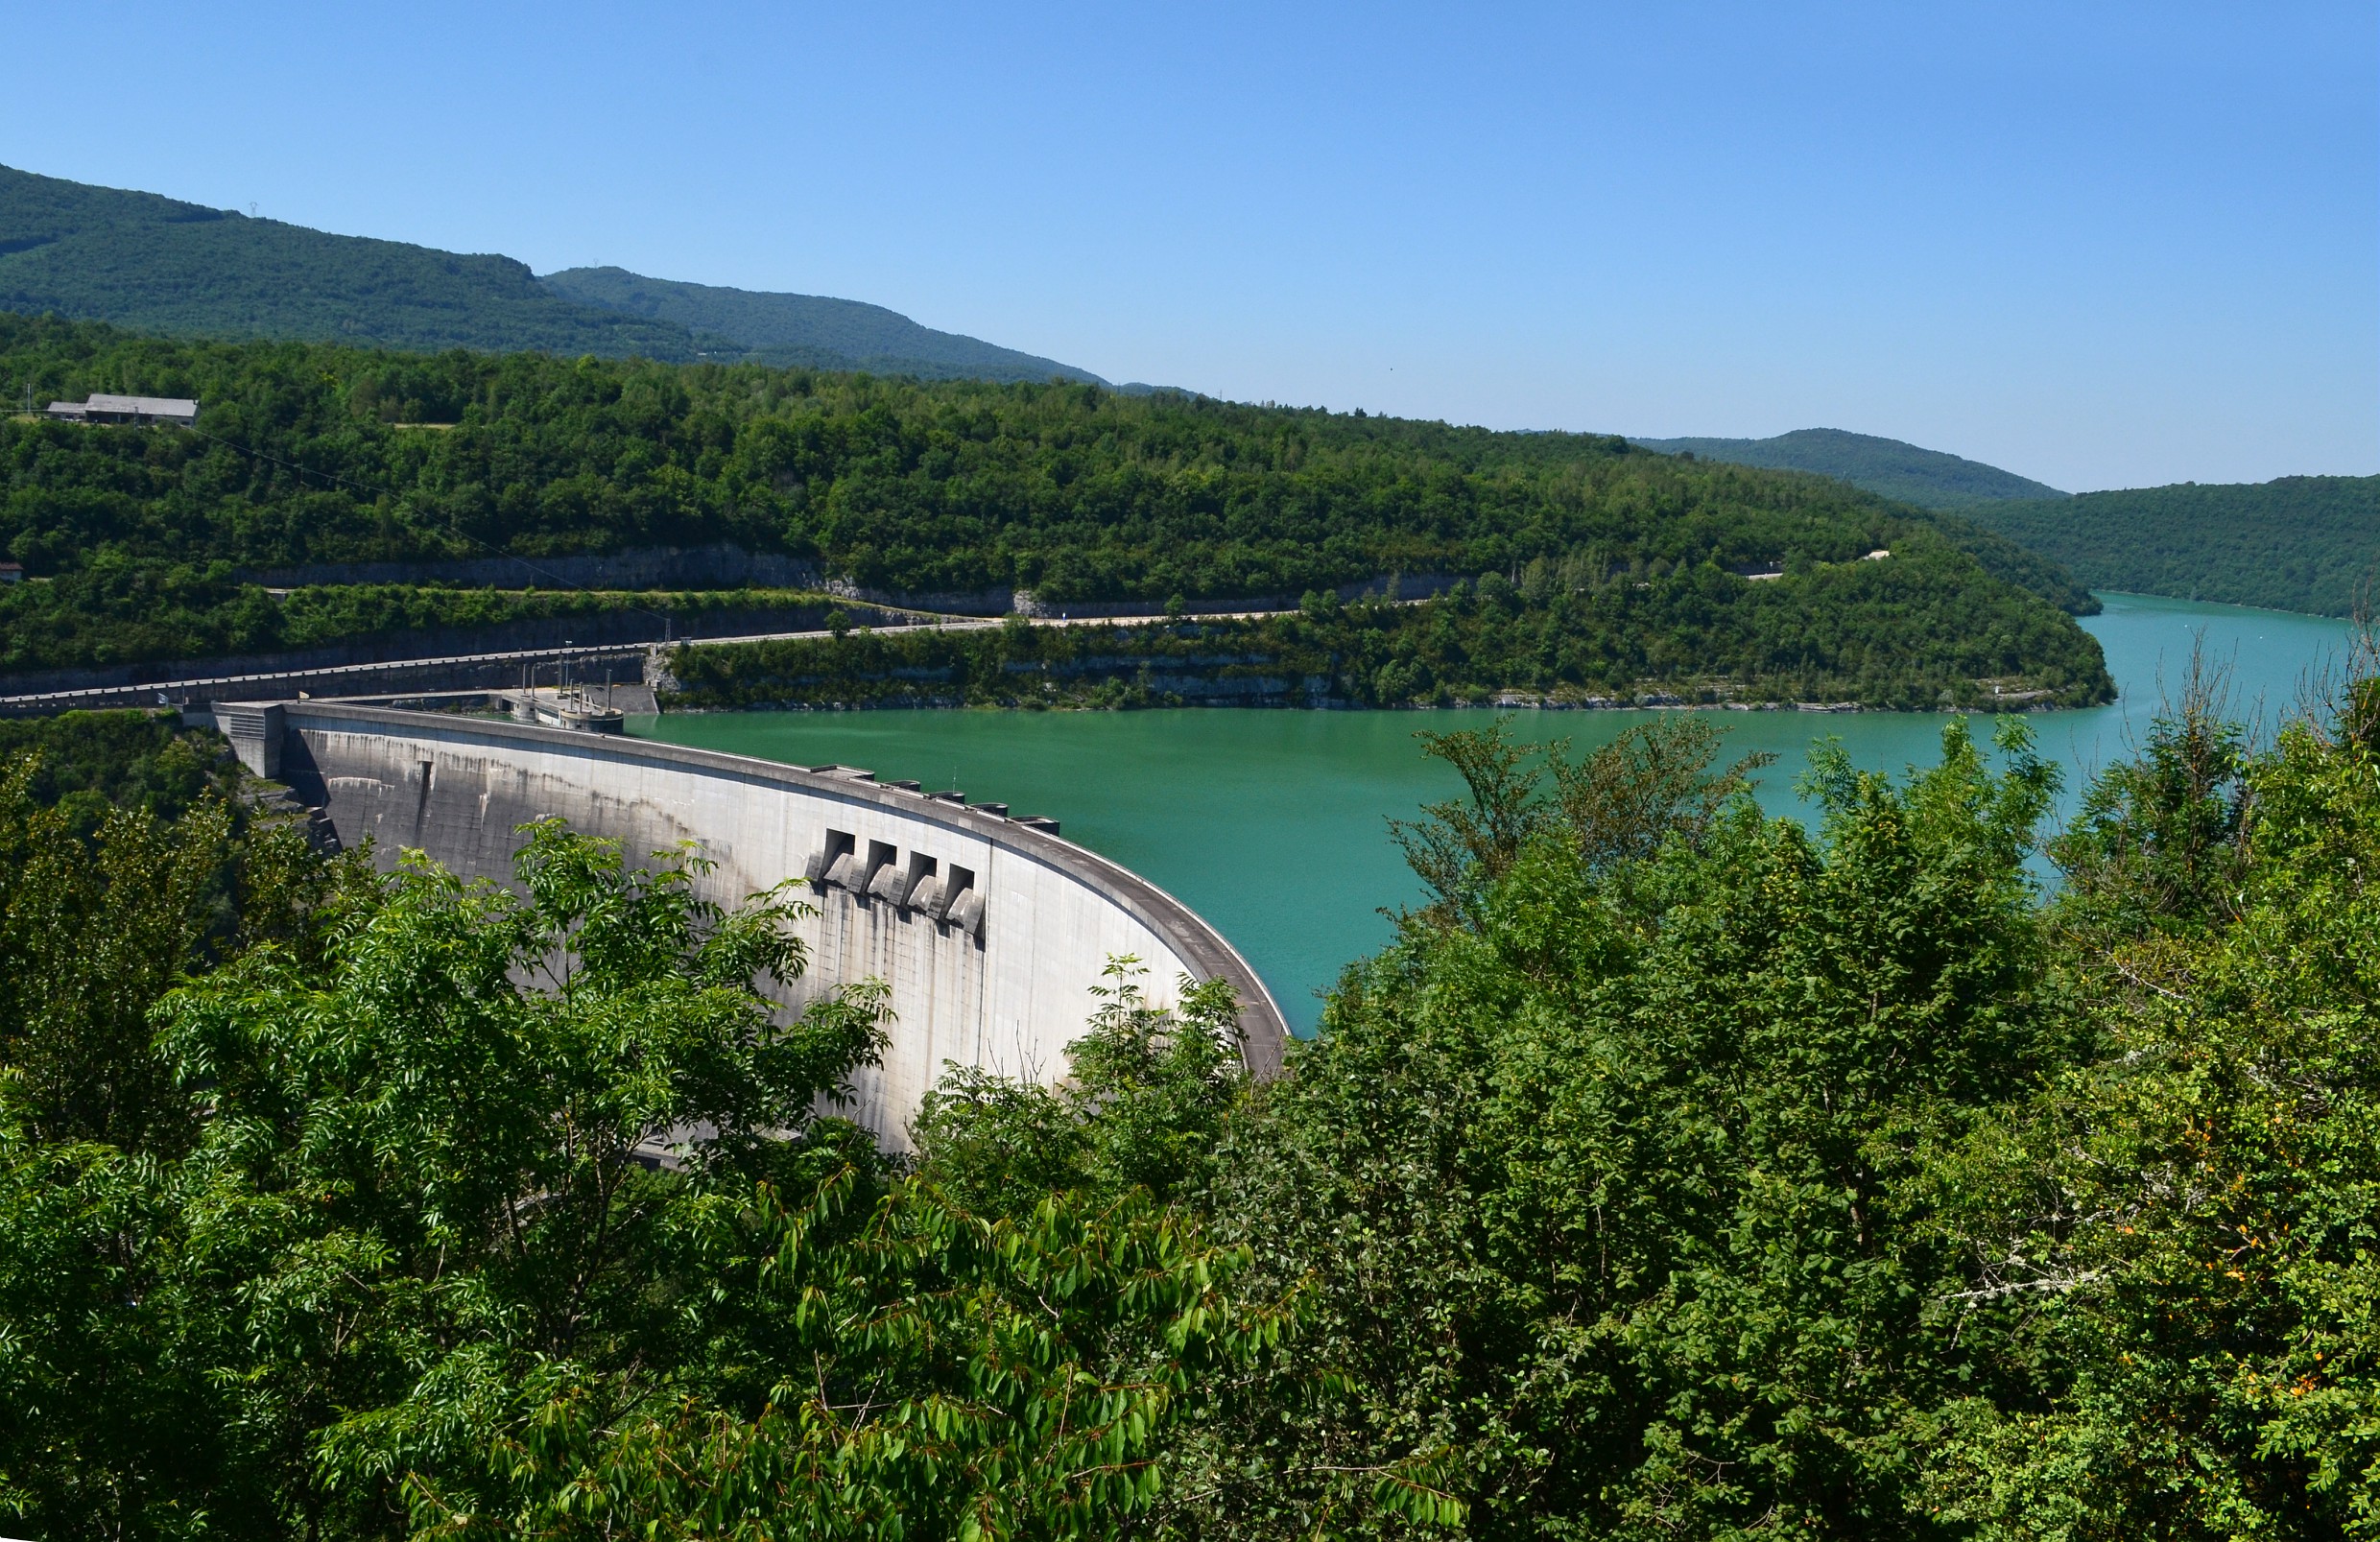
(989, 932)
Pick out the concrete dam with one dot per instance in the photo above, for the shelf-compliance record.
(989, 932)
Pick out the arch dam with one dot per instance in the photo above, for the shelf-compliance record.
(989, 932)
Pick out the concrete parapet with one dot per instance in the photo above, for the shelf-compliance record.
(990, 932)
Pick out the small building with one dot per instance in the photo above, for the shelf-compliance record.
(178, 411)
(12, 572)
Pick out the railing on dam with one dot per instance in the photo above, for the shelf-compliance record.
(990, 932)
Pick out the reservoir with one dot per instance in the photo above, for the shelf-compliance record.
(1272, 823)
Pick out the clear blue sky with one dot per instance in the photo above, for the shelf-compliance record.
(2103, 246)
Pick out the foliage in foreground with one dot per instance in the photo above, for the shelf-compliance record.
(449, 1210)
(124, 866)
(1678, 1172)
(1675, 1171)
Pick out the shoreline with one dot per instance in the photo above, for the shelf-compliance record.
(2106, 595)
(1814, 708)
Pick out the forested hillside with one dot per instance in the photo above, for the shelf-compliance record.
(118, 612)
(1889, 468)
(1880, 634)
(88, 765)
(1674, 1173)
(2011, 563)
(315, 452)
(162, 266)
(157, 265)
(807, 331)
(2298, 543)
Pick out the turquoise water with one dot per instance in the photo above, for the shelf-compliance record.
(1273, 824)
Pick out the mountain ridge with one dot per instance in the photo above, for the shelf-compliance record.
(787, 329)
(162, 265)
(1890, 468)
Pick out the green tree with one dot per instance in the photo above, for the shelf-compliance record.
(105, 908)
(1143, 1106)
(516, 1213)
(449, 1157)
(1607, 1182)
(2161, 839)
(1674, 1171)
(940, 1375)
(2180, 1234)
(958, 488)
(1617, 806)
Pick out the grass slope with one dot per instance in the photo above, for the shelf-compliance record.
(2300, 544)
(810, 330)
(1887, 468)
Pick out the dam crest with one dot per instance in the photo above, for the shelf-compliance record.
(989, 933)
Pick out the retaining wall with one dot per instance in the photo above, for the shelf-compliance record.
(1387, 586)
(655, 567)
(990, 932)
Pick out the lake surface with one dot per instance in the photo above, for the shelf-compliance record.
(1272, 823)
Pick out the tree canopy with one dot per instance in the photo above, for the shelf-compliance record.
(307, 455)
(1676, 1171)
(2294, 543)
(1908, 635)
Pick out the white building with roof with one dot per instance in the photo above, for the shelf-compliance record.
(178, 411)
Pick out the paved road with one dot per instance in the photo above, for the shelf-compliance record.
(212, 687)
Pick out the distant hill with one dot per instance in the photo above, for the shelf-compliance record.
(805, 329)
(1887, 468)
(2010, 563)
(2300, 544)
(159, 265)
(162, 266)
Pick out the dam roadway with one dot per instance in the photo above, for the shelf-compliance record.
(990, 932)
